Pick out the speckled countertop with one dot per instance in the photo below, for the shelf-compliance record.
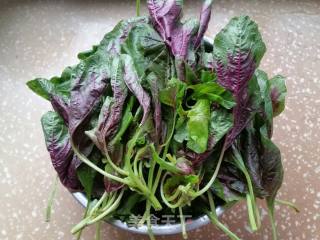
(40, 38)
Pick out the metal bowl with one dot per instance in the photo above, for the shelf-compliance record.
(160, 229)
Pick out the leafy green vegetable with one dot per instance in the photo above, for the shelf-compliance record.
(278, 94)
(198, 126)
(58, 145)
(213, 92)
(221, 121)
(155, 120)
(173, 94)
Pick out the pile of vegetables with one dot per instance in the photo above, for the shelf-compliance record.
(156, 120)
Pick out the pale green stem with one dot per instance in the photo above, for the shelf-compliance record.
(156, 181)
(251, 213)
(214, 175)
(175, 195)
(93, 209)
(288, 204)
(85, 215)
(183, 224)
(138, 8)
(110, 201)
(214, 219)
(273, 224)
(51, 198)
(256, 220)
(141, 174)
(253, 209)
(148, 217)
(114, 166)
(164, 199)
(109, 210)
(87, 221)
(84, 159)
(98, 231)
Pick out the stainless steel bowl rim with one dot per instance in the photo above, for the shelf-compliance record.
(165, 229)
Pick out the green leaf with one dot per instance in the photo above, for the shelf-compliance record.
(174, 181)
(85, 54)
(128, 206)
(42, 87)
(173, 94)
(55, 132)
(124, 124)
(207, 76)
(198, 126)
(190, 75)
(264, 86)
(224, 192)
(169, 166)
(221, 121)
(213, 92)
(272, 169)
(60, 86)
(144, 45)
(278, 94)
(181, 133)
(241, 35)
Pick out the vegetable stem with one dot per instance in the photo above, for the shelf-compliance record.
(288, 204)
(103, 197)
(112, 205)
(222, 227)
(51, 198)
(114, 166)
(85, 215)
(108, 210)
(251, 213)
(270, 207)
(98, 231)
(138, 8)
(214, 218)
(137, 182)
(148, 216)
(84, 159)
(183, 224)
(215, 174)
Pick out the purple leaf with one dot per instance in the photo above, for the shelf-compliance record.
(111, 186)
(184, 166)
(278, 94)
(164, 15)
(93, 73)
(112, 41)
(204, 21)
(111, 111)
(85, 94)
(120, 93)
(242, 116)
(237, 52)
(155, 88)
(71, 180)
(132, 81)
(59, 148)
(237, 73)
(180, 37)
(272, 169)
(60, 106)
